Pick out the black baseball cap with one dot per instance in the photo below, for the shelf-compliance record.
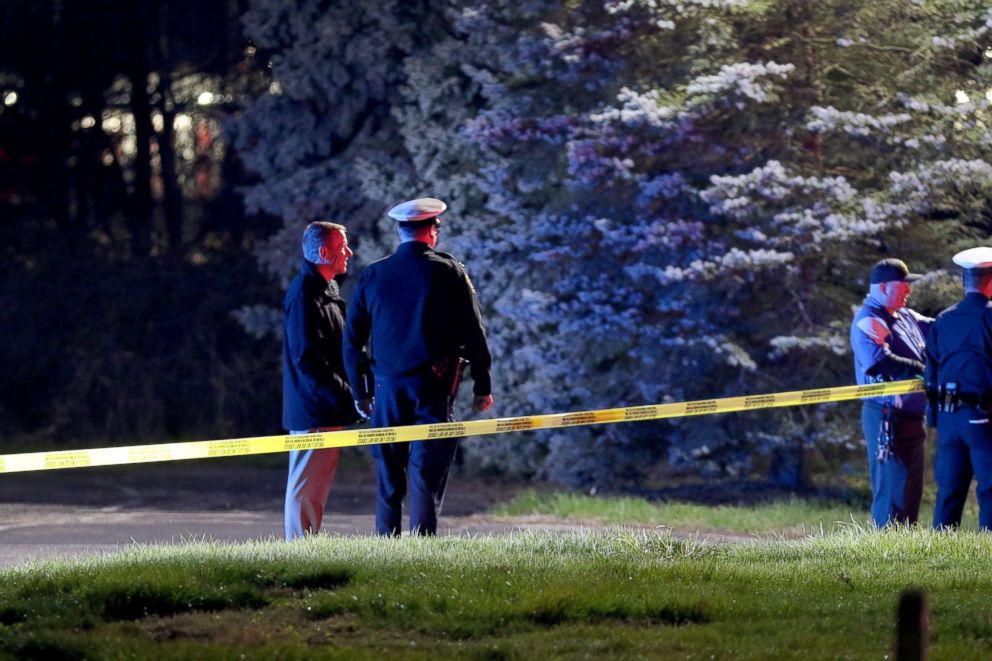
(890, 270)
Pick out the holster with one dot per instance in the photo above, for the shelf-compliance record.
(457, 379)
(367, 382)
(449, 372)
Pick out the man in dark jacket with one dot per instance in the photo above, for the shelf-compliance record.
(418, 311)
(316, 394)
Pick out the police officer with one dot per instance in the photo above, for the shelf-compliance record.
(418, 311)
(888, 340)
(959, 380)
(316, 395)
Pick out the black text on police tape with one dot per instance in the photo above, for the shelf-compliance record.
(303, 442)
(228, 448)
(373, 436)
(67, 459)
(446, 430)
(147, 455)
(514, 424)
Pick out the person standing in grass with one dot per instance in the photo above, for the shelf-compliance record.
(889, 341)
(959, 381)
(316, 394)
(418, 311)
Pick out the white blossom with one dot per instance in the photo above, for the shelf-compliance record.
(742, 78)
(637, 109)
(828, 118)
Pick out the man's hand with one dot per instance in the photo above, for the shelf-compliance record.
(482, 403)
(364, 406)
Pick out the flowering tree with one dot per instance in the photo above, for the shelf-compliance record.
(698, 188)
(664, 199)
(338, 78)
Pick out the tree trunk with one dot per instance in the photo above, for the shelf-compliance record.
(141, 197)
(174, 212)
(60, 140)
(173, 196)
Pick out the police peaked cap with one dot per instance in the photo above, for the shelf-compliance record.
(420, 212)
(978, 260)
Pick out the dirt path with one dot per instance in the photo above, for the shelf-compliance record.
(39, 532)
(32, 532)
(100, 510)
(90, 511)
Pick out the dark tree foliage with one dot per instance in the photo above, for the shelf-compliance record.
(125, 245)
(657, 199)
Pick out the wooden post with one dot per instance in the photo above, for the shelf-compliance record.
(912, 626)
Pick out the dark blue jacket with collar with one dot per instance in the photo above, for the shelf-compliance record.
(414, 308)
(959, 346)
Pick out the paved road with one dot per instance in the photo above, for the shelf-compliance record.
(86, 511)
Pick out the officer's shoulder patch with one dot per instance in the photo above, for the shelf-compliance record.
(468, 280)
(451, 259)
(460, 267)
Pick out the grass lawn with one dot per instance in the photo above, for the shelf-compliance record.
(606, 594)
(793, 517)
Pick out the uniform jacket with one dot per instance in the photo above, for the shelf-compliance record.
(416, 307)
(315, 390)
(959, 346)
(890, 347)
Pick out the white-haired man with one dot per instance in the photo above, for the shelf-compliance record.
(316, 394)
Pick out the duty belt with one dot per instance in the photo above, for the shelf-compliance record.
(949, 399)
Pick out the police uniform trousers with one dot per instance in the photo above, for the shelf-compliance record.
(421, 466)
(964, 450)
(311, 473)
(896, 483)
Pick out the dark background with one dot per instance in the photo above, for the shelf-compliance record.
(124, 243)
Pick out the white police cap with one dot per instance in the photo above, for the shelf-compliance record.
(423, 208)
(975, 258)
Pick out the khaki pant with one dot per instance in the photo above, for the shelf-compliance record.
(311, 473)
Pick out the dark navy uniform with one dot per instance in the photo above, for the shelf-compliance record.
(890, 347)
(959, 352)
(418, 312)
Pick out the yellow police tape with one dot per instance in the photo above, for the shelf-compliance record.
(140, 454)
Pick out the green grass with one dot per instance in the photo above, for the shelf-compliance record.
(789, 517)
(611, 594)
